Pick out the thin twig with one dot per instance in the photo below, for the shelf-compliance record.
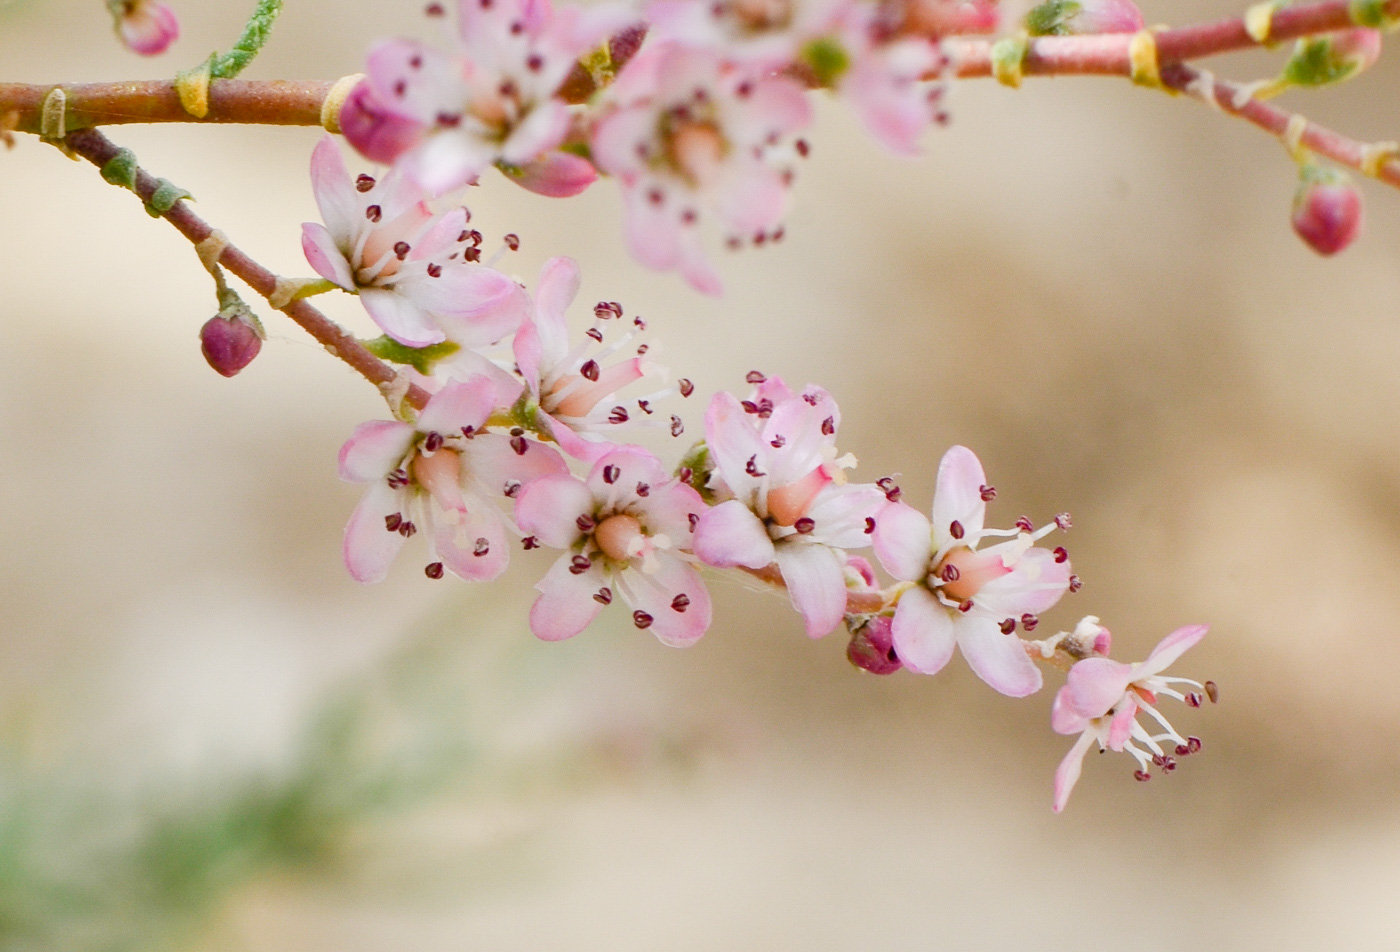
(99, 150)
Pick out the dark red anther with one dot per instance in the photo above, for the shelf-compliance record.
(778, 441)
(1193, 699)
(400, 88)
(1158, 760)
(805, 525)
(481, 547)
(1061, 554)
(618, 416)
(434, 270)
(449, 120)
(686, 387)
(585, 523)
(401, 249)
(512, 241)
(511, 489)
(610, 474)
(407, 529)
(374, 213)
(656, 196)
(869, 525)
(364, 183)
(988, 493)
(749, 406)
(744, 90)
(641, 619)
(534, 62)
(689, 216)
(751, 467)
(1075, 583)
(677, 425)
(810, 398)
(415, 62)
(1008, 626)
(1168, 764)
(778, 233)
(755, 377)
(694, 519)
(603, 596)
(1194, 744)
(475, 237)
(645, 407)
(1029, 621)
(435, 10)
(595, 334)
(579, 564)
(432, 443)
(589, 370)
(1182, 750)
(398, 478)
(765, 408)
(955, 529)
(803, 148)
(1063, 520)
(643, 490)
(472, 254)
(519, 444)
(530, 542)
(950, 573)
(516, 28)
(965, 606)
(469, 431)
(393, 521)
(642, 349)
(464, 235)
(1212, 691)
(829, 426)
(681, 602)
(1141, 776)
(433, 570)
(1025, 524)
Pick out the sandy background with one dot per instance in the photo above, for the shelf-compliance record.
(1092, 285)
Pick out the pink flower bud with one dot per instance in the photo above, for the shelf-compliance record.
(375, 132)
(1327, 212)
(872, 647)
(1360, 47)
(145, 27)
(229, 343)
(556, 174)
(1067, 17)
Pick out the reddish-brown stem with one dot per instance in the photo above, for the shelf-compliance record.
(99, 150)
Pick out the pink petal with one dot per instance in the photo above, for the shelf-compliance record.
(816, 583)
(903, 541)
(776, 108)
(732, 442)
(669, 510)
(1172, 647)
(566, 605)
(616, 138)
(556, 175)
(729, 535)
(369, 547)
(840, 514)
(447, 160)
(149, 29)
(457, 405)
(1097, 684)
(335, 195)
(652, 228)
(1067, 774)
(998, 659)
(375, 132)
(614, 478)
(324, 257)
(548, 508)
(495, 467)
(558, 286)
(475, 548)
(543, 129)
(400, 318)
(1121, 727)
(374, 450)
(473, 304)
(1064, 719)
(694, 266)
(749, 197)
(413, 93)
(676, 621)
(923, 632)
(583, 450)
(1034, 585)
(958, 494)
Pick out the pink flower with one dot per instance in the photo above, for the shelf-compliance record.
(493, 98)
(887, 84)
(573, 387)
(788, 501)
(144, 26)
(382, 241)
(691, 134)
(964, 596)
(624, 529)
(442, 475)
(765, 33)
(1101, 699)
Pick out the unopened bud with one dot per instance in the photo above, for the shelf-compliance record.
(1081, 17)
(144, 26)
(872, 647)
(375, 132)
(231, 339)
(1332, 57)
(1327, 211)
(555, 174)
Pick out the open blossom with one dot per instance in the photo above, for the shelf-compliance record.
(406, 263)
(574, 387)
(624, 529)
(690, 133)
(964, 596)
(492, 99)
(888, 82)
(789, 501)
(443, 476)
(1101, 700)
(146, 27)
(757, 32)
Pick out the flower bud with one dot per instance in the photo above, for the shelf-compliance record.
(375, 132)
(1327, 211)
(1332, 57)
(144, 26)
(230, 340)
(1081, 17)
(872, 647)
(555, 174)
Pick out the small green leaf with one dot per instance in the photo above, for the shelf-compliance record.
(420, 359)
(1050, 18)
(827, 59)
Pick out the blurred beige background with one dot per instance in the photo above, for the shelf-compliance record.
(1092, 285)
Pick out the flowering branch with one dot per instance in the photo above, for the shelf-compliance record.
(100, 151)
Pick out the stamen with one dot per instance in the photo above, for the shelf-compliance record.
(1025, 525)
(579, 564)
(1141, 776)
(641, 619)
(364, 183)
(677, 425)
(1212, 692)
(1029, 621)
(686, 387)
(988, 493)
(603, 596)
(955, 529)
(869, 525)
(393, 521)
(618, 415)
(1061, 554)
(610, 474)
(805, 525)
(530, 542)
(1008, 626)
(1075, 583)
(755, 377)
(681, 602)
(643, 490)
(585, 523)
(482, 547)
(433, 570)
(374, 213)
